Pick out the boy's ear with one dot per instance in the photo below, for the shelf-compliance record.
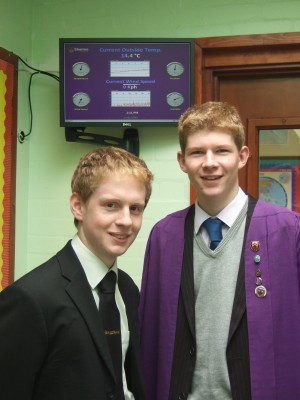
(76, 206)
(244, 155)
(181, 161)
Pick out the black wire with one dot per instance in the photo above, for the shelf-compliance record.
(30, 105)
(22, 135)
(40, 71)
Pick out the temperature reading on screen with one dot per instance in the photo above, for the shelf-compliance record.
(131, 55)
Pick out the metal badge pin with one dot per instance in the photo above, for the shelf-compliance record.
(258, 272)
(257, 259)
(258, 281)
(260, 291)
(255, 245)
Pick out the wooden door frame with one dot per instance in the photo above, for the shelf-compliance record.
(253, 127)
(247, 55)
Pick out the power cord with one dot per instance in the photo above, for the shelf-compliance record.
(22, 136)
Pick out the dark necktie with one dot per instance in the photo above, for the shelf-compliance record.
(112, 328)
(214, 229)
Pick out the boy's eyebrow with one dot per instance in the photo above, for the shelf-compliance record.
(113, 198)
(136, 202)
(194, 148)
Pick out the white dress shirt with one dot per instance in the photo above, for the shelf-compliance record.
(228, 215)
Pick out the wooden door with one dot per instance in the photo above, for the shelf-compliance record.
(260, 75)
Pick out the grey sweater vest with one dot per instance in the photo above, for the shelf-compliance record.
(215, 276)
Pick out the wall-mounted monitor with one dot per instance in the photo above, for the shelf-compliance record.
(125, 82)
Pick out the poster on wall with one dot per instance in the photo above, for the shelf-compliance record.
(279, 182)
(8, 112)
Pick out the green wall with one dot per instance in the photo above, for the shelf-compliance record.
(45, 161)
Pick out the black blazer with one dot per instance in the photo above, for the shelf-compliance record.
(52, 344)
(237, 352)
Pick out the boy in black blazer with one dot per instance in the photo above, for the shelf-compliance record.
(53, 345)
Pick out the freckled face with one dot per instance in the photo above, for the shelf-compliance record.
(212, 162)
(112, 217)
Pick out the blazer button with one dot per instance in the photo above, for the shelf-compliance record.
(110, 396)
(181, 396)
(192, 351)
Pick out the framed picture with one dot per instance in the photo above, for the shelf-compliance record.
(279, 181)
(8, 135)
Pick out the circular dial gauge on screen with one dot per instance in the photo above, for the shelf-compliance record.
(81, 99)
(175, 99)
(175, 68)
(81, 68)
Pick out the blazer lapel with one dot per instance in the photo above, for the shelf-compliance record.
(239, 303)
(187, 278)
(131, 304)
(80, 293)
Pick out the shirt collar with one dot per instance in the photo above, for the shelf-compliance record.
(93, 266)
(228, 215)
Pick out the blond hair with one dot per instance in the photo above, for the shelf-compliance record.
(211, 116)
(104, 161)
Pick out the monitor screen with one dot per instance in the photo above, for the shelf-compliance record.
(125, 82)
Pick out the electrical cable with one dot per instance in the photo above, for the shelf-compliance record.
(22, 135)
(38, 70)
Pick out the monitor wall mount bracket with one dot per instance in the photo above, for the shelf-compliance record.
(129, 142)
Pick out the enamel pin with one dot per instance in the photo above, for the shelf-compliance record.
(255, 245)
(260, 291)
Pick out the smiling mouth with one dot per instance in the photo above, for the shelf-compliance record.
(118, 236)
(210, 178)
